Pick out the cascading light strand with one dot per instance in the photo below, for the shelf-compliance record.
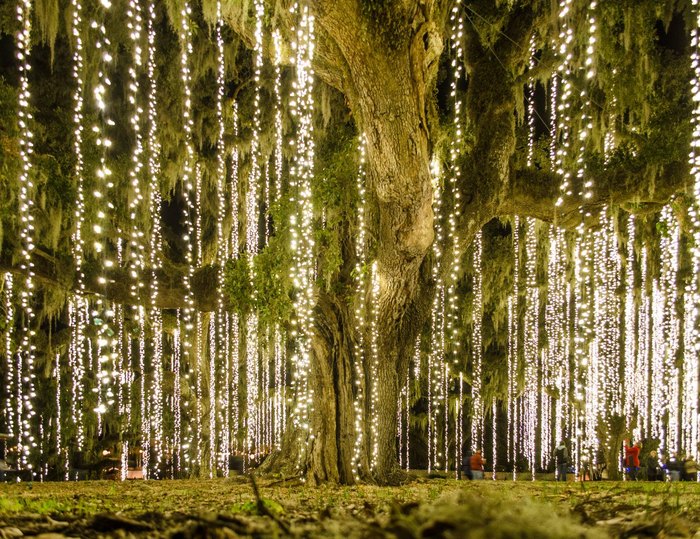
(78, 307)
(513, 352)
(155, 253)
(26, 376)
(692, 356)
(477, 412)
(187, 183)
(222, 335)
(11, 419)
(102, 229)
(253, 371)
(531, 347)
(302, 220)
(359, 357)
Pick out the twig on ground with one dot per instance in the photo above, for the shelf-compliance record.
(263, 510)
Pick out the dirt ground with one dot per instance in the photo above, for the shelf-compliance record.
(422, 508)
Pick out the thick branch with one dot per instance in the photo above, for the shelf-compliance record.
(634, 186)
(57, 272)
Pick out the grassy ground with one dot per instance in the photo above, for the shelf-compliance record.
(423, 508)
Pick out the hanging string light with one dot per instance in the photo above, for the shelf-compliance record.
(359, 358)
(253, 371)
(11, 419)
(187, 182)
(301, 175)
(26, 351)
(562, 89)
(374, 362)
(234, 320)
(691, 366)
(78, 307)
(531, 346)
(102, 314)
(221, 340)
(436, 354)
(513, 352)
(477, 437)
(629, 392)
(643, 366)
(457, 35)
(668, 340)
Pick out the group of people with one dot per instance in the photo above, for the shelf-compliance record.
(677, 467)
(656, 468)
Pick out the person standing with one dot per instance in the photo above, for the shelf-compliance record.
(632, 459)
(476, 464)
(654, 471)
(561, 456)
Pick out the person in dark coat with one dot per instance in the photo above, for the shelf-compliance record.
(561, 457)
(654, 471)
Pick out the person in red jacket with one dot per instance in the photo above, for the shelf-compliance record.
(632, 459)
(476, 463)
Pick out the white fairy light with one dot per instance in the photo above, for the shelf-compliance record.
(360, 309)
(26, 350)
(562, 89)
(102, 313)
(374, 363)
(556, 327)
(477, 412)
(629, 392)
(668, 341)
(514, 417)
(301, 224)
(457, 35)
(233, 360)
(187, 182)
(279, 133)
(221, 341)
(531, 346)
(253, 371)
(11, 419)
(642, 363)
(59, 414)
(691, 364)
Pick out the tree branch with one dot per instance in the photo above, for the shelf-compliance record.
(633, 185)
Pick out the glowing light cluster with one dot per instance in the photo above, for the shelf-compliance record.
(361, 293)
(220, 396)
(187, 182)
(531, 355)
(301, 174)
(26, 441)
(477, 411)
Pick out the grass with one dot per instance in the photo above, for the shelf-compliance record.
(483, 508)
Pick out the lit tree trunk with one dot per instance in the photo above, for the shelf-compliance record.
(387, 91)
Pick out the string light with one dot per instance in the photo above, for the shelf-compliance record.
(531, 347)
(102, 312)
(436, 354)
(221, 340)
(374, 362)
(513, 352)
(185, 36)
(234, 318)
(253, 419)
(359, 358)
(302, 245)
(11, 419)
(477, 352)
(26, 351)
(78, 307)
(691, 366)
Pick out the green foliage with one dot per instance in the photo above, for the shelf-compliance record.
(238, 284)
